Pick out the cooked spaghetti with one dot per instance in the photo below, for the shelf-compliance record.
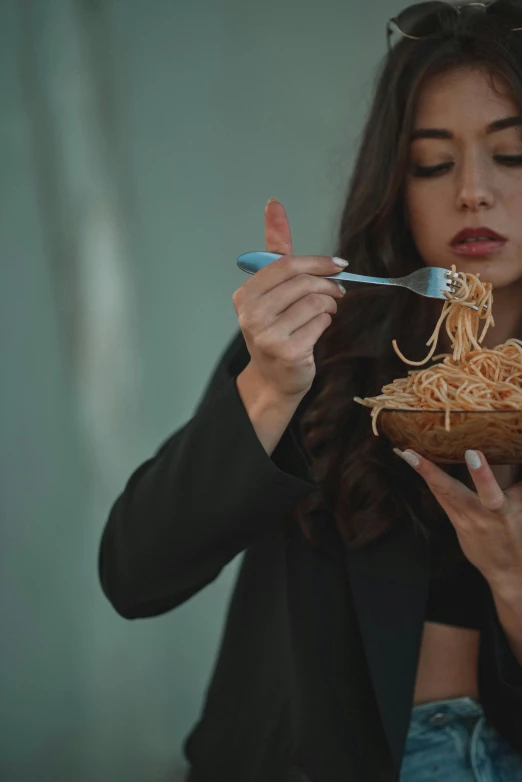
(470, 378)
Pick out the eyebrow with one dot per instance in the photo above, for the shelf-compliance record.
(493, 127)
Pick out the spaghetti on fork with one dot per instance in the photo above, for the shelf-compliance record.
(470, 377)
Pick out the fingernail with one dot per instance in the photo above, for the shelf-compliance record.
(473, 460)
(409, 456)
(340, 262)
(271, 199)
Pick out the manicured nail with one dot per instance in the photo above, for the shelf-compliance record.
(473, 460)
(340, 262)
(409, 456)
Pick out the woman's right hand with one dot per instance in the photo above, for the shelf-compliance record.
(284, 308)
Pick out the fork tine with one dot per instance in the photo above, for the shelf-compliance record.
(434, 282)
(453, 284)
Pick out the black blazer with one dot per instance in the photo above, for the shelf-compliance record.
(315, 676)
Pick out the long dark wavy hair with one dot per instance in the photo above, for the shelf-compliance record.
(362, 483)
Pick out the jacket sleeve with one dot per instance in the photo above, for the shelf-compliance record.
(209, 492)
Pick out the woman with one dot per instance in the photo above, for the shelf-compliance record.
(374, 632)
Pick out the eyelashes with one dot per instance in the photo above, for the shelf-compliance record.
(427, 171)
(510, 160)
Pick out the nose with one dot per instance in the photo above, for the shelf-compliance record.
(474, 191)
(474, 200)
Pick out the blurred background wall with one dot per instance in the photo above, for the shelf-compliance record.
(140, 141)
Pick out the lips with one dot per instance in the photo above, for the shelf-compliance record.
(477, 232)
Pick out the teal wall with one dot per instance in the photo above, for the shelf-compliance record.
(140, 141)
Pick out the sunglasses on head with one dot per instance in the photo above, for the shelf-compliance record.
(426, 18)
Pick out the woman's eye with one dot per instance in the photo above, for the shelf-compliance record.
(430, 170)
(505, 160)
(509, 160)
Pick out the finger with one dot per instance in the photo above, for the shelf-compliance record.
(450, 493)
(278, 238)
(490, 494)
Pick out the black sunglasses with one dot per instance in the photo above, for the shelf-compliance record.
(426, 18)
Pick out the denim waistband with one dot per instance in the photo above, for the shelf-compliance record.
(441, 712)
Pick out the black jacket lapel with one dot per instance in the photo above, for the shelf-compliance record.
(390, 580)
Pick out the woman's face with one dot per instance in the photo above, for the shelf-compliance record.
(472, 186)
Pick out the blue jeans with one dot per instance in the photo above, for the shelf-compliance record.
(452, 741)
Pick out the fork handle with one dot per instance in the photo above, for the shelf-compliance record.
(254, 261)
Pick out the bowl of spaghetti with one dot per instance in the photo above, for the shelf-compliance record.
(472, 398)
(497, 433)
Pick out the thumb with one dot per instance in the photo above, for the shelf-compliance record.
(278, 238)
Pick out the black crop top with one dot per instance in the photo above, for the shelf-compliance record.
(457, 599)
(457, 596)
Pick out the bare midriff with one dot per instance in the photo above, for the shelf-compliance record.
(448, 663)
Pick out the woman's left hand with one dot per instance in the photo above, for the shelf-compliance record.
(488, 524)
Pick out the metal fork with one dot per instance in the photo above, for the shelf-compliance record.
(431, 281)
